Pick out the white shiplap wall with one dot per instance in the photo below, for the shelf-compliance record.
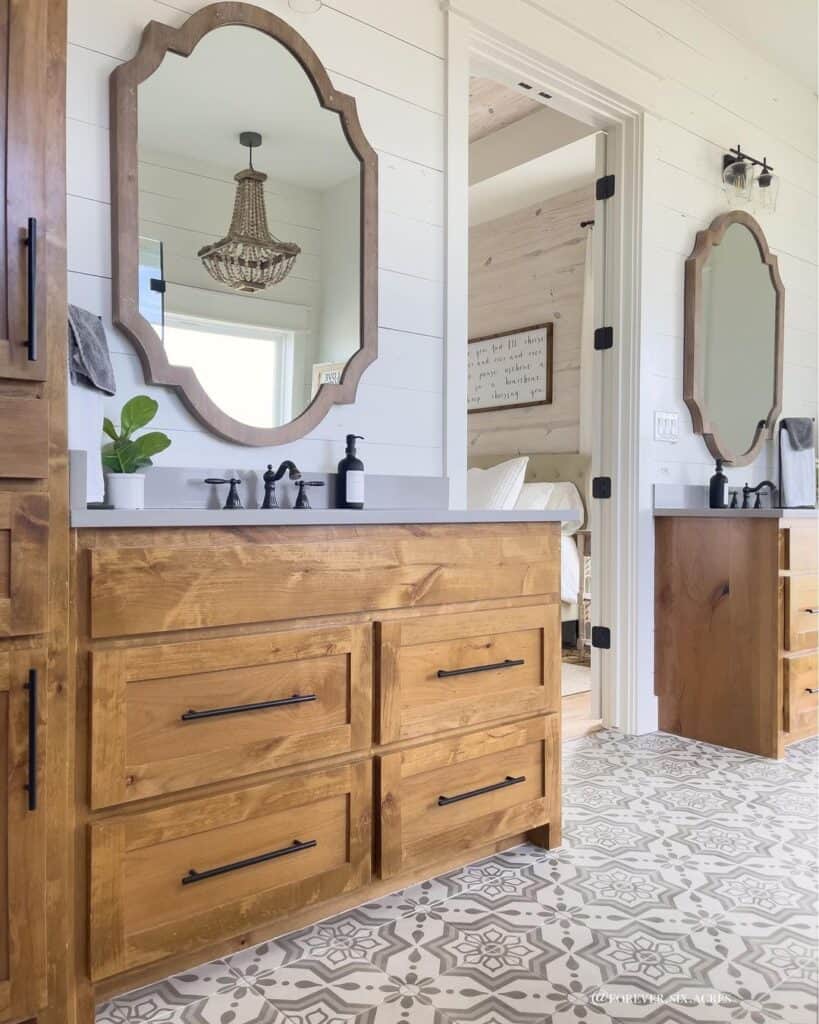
(391, 60)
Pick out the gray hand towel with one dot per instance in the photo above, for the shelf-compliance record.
(800, 432)
(89, 360)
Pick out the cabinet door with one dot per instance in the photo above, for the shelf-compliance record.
(23, 563)
(24, 88)
(22, 819)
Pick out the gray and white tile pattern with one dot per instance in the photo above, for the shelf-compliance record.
(685, 893)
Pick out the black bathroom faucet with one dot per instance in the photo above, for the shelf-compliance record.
(771, 487)
(270, 479)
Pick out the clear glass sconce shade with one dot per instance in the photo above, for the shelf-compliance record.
(738, 179)
(305, 6)
(766, 190)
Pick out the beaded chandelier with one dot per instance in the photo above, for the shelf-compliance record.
(249, 258)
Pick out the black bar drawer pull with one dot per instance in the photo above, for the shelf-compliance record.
(812, 689)
(510, 780)
(812, 611)
(31, 784)
(445, 673)
(199, 876)
(236, 709)
(31, 289)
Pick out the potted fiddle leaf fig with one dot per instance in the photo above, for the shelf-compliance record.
(125, 455)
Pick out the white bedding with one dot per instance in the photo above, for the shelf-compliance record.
(569, 570)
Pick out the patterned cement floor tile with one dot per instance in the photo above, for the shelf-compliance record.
(685, 893)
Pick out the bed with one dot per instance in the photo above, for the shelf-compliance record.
(555, 468)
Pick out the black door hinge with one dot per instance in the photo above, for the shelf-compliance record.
(601, 487)
(604, 187)
(601, 637)
(603, 338)
(158, 285)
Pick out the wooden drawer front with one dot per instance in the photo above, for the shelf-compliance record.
(23, 563)
(429, 805)
(522, 645)
(23, 437)
(220, 577)
(801, 613)
(800, 548)
(801, 696)
(174, 716)
(146, 903)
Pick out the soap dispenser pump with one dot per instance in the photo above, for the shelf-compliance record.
(717, 486)
(350, 485)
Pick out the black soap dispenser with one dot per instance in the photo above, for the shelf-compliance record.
(350, 484)
(716, 488)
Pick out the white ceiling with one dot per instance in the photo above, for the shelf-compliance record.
(238, 79)
(784, 31)
(551, 174)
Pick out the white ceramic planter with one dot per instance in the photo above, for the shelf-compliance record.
(126, 490)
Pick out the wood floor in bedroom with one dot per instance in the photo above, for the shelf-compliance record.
(577, 716)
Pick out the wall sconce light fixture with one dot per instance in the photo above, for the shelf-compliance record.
(742, 180)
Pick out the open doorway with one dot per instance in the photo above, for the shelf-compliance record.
(532, 290)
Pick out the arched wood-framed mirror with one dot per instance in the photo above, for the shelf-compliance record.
(733, 347)
(259, 339)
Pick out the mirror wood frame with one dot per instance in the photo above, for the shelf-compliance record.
(157, 41)
(693, 345)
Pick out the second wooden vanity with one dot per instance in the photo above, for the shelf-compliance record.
(737, 628)
(284, 721)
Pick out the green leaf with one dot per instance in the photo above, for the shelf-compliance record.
(150, 444)
(109, 429)
(111, 463)
(136, 412)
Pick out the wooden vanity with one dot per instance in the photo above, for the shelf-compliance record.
(737, 629)
(281, 722)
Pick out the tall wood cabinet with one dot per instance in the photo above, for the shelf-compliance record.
(33, 574)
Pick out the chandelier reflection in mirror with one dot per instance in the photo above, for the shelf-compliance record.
(249, 258)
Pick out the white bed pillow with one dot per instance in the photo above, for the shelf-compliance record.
(558, 495)
(498, 487)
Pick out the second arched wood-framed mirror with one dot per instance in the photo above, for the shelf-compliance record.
(244, 224)
(734, 325)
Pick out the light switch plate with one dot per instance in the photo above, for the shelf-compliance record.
(666, 427)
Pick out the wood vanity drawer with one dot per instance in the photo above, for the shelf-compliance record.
(169, 717)
(455, 670)
(155, 582)
(801, 612)
(452, 796)
(800, 548)
(801, 696)
(177, 878)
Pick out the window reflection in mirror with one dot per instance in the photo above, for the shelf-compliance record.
(737, 325)
(259, 354)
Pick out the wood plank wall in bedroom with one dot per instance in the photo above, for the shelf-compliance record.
(527, 268)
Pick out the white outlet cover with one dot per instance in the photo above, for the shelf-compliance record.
(666, 427)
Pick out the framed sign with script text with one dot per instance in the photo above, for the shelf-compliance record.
(511, 370)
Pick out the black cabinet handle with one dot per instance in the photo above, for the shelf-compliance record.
(510, 780)
(199, 876)
(31, 785)
(445, 673)
(31, 289)
(236, 709)
(812, 611)
(812, 689)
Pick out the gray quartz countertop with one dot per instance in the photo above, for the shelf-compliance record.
(99, 518)
(740, 513)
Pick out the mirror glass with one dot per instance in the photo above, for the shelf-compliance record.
(736, 325)
(262, 313)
